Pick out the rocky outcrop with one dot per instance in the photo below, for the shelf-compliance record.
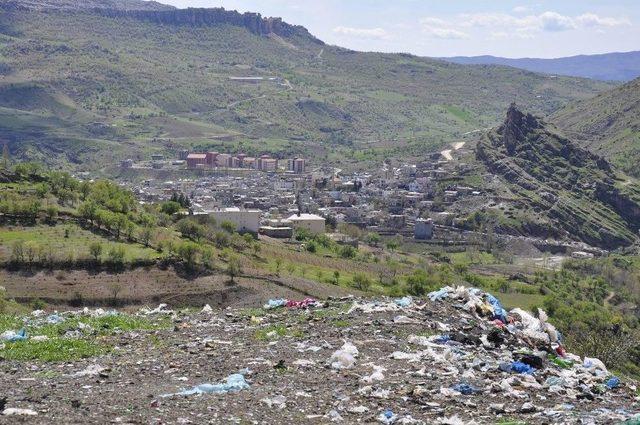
(168, 15)
(84, 5)
(253, 22)
(571, 187)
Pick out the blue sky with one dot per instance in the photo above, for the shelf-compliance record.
(458, 27)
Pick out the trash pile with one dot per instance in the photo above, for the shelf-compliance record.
(456, 357)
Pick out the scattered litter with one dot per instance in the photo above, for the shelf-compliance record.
(207, 309)
(344, 358)
(465, 388)
(161, 309)
(233, 383)
(91, 370)
(54, 319)
(15, 411)
(281, 302)
(404, 301)
(279, 402)
(13, 336)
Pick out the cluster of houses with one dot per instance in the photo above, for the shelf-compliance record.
(225, 160)
(415, 200)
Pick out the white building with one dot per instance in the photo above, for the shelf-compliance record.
(311, 222)
(245, 220)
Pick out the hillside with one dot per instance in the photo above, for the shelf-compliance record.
(608, 66)
(561, 189)
(84, 84)
(608, 124)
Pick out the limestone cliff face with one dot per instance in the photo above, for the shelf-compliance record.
(253, 22)
(573, 188)
(162, 14)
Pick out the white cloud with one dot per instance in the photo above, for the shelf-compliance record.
(377, 33)
(521, 9)
(548, 21)
(434, 22)
(439, 28)
(593, 20)
(447, 33)
(553, 21)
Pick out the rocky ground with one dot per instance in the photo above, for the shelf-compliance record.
(348, 360)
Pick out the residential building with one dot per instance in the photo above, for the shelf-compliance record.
(311, 222)
(193, 159)
(245, 220)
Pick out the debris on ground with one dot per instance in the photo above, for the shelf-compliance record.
(456, 357)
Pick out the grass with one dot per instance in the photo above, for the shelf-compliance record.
(53, 350)
(75, 245)
(58, 348)
(172, 83)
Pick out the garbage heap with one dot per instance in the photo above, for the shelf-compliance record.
(456, 357)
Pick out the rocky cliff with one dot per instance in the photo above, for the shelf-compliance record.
(570, 187)
(254, 22)
(158, 13)
(84, 5)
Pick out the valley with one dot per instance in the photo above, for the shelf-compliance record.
(189, 193)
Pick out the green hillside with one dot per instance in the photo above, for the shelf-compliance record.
(562, 190)
(608, 124)
(80, 85)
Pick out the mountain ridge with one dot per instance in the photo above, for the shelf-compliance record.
(614, 66)
(608, 124)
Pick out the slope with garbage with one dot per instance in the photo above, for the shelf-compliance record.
(455, 357)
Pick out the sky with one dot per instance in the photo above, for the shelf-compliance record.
(506, 28)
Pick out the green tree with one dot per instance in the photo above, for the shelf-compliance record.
(170, 207)
(188, 252)
(234, 268)
(116, 255)
(95, 249)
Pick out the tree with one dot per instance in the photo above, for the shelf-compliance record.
(17, 251)
(372, 239)
(392, 245)
(419, 283)
(88, 210)
(190, 229)
(117, 254)
(188, 252)
(361, 281)
(278, 265)
(336, 277)
(228, 226)
(145, 235)
(348, 251)
(52, 214)
(95, 249)
(234, 268)
(31, 249)
(170, 207)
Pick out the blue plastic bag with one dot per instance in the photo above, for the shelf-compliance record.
(613, 382)
(465, 388)
(11, 336)
(498, 311)
(281, 302)
(404, 301)
(523, 368)
(233, 383)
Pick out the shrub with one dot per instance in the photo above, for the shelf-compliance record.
(95, 249)
(361, 281)
(117, 254)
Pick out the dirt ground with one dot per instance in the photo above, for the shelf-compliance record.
(397, 372)
(152, 285)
